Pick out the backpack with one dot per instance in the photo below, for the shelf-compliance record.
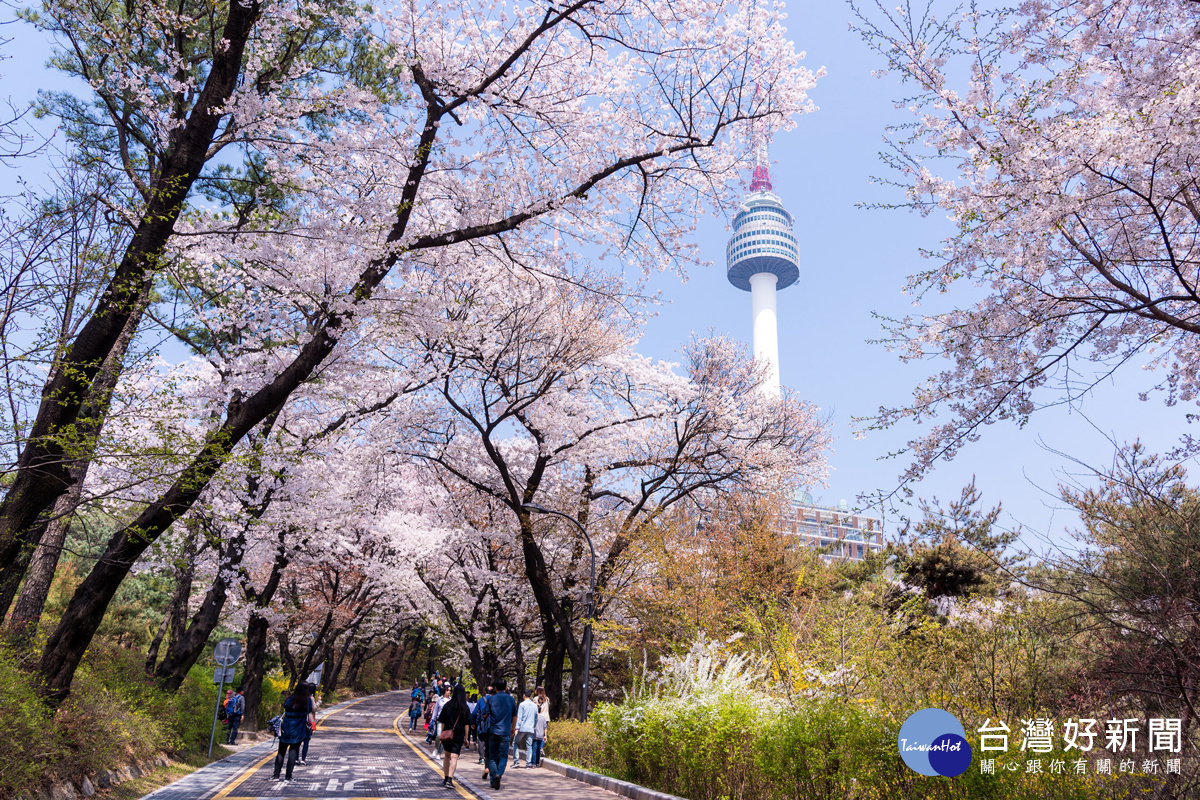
(483, 711)
(276, 725)
(222, 714)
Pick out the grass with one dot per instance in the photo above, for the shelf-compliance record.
(162, 776)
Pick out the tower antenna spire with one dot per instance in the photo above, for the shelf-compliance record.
(760, 178)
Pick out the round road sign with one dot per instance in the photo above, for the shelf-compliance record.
(227, 652)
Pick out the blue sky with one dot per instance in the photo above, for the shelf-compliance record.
(853, 261)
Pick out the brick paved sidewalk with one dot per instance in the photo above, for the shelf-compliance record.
(519, 783)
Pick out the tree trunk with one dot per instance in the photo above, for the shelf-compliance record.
(432, 657)
(39, 573)
(285, 653)
(186, 648)
(156, 642)
(10, 580)
(556, 654)
(176, 614)
(41, 474)
(44, 561)
(254, 668)
(404, 657)
(256, 635)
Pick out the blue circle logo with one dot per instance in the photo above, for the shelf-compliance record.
(933, 742)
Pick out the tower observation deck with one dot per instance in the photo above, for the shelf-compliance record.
(762, 258)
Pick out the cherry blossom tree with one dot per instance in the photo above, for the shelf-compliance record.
(1059, 138)
(543, 400)
(608, 122)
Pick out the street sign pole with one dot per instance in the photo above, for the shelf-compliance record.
(226, 654)
(216, 709)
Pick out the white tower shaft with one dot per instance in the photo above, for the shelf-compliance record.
(766, 331)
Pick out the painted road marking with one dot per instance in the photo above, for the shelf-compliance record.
(421, 754)
(225, 793)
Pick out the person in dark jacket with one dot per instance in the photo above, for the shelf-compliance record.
(297, 710)
(501, 708)
(456, 717)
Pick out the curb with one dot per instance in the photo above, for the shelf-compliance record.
(623, 788)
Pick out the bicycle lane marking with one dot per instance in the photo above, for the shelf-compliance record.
(421, 754)
(245, 776)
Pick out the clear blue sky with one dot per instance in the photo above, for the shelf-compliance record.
(853, 262)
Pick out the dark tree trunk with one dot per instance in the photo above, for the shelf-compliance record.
(356, 664)
(186, 649)
(255, 668)
(556, 654)
(39, 573)
(431, 659)
(541, 662)
(256, 635)
(156, 642)
(175, 616)
(44, 561)
(41, 474)
(406, 656)
(285, 653)
(10, 580)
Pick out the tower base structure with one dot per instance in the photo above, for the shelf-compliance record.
(766, 331)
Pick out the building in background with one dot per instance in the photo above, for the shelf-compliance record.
(843, 533)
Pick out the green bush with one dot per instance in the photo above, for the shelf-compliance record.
(115, 714)
(28, 739)
(704, 731)
(575, 743)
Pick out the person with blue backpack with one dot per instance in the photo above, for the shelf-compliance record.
(501, 708)
(235, 708)
(479, 716)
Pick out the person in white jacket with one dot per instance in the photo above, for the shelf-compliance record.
(526, 724)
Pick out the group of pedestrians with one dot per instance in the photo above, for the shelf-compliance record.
(295, 726)
(492, 722)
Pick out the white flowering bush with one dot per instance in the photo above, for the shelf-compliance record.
(710, 727)
(697, 710)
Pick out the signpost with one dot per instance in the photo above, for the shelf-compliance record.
(226, 654)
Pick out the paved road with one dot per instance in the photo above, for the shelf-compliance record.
(356, 752)
(359, 751)
(521, 783)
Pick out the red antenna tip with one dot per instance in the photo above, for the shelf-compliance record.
(760, 179)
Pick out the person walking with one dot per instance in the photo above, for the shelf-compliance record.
(235, 707)
(454, 720)
(312, 725)
(298, 710)
(502, 709)
(437, 727)
(479, 721)
(414, 713)
(540, 726)
(472, 701)
(526, 723)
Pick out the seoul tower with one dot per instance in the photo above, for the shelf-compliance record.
(762, 260)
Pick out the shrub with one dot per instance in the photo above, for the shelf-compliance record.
(28, 739)
(575, 743)
(273, 687)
